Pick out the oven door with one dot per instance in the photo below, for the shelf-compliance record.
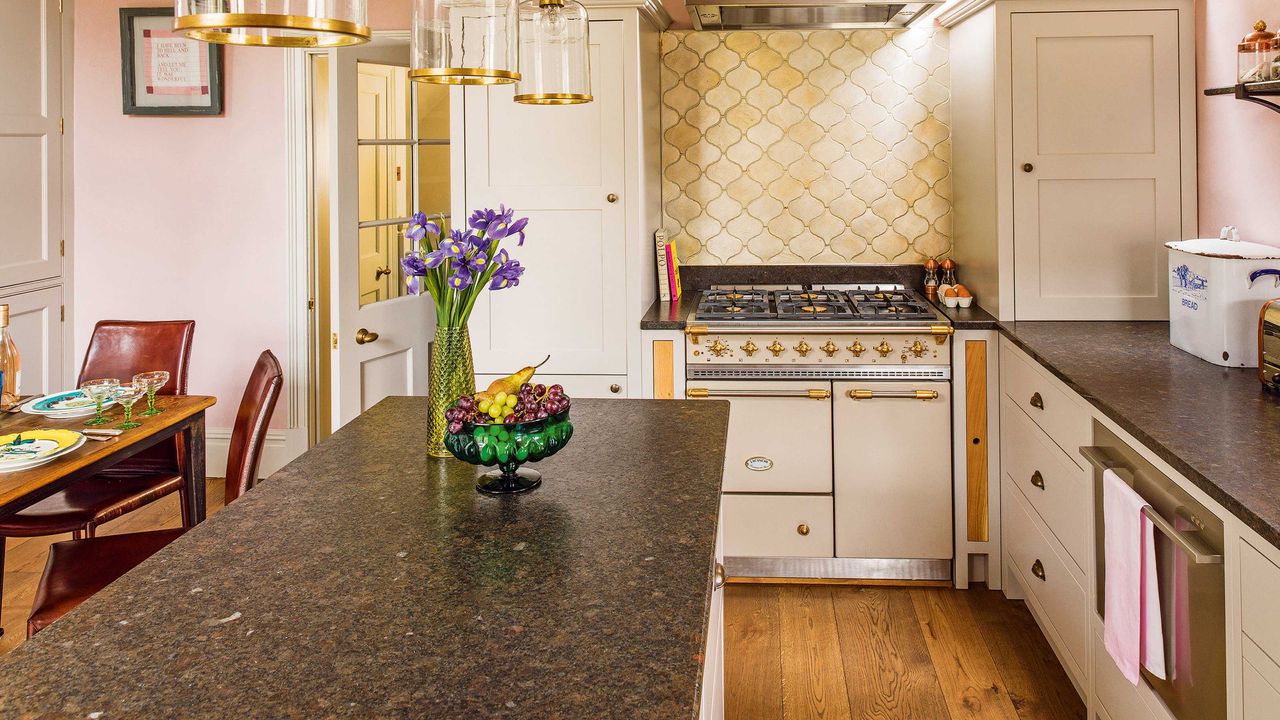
(779, 434)
(893, 470)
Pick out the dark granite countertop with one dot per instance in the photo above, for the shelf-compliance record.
(365, 580)
(1217, 426)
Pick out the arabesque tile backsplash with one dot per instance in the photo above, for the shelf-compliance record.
(828, 146)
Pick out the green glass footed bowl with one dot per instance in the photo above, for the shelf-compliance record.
(508, 447)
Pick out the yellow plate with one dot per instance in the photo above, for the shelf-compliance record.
(34, 444)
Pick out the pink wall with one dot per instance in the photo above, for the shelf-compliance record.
(182, 217)
(1239, 142)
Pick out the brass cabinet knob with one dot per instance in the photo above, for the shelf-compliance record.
(857, 349)
(718, 348)
(364, 336)
(884, 348)
(750, 348)
(918, 349)
(1037, 569)
(1037, 401)
(1028, 167)
(802, 529)
(611, 197)
(830, 349)
(776, 348)
(803, 348)
(615, 388)
(1037, 479)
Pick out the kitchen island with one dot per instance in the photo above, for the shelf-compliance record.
(366, 580)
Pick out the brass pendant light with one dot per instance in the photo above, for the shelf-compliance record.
(465, 42)
(274, 23)
(555, 53)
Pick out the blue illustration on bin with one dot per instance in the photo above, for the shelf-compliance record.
(1186, 278)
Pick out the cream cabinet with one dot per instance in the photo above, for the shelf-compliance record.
(1069, 180)
(35, 322)
(587, 178)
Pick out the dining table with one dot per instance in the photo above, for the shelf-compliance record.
(181, 415)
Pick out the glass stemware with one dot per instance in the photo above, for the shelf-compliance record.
(152, 381)
(99, 390)
(127, 395)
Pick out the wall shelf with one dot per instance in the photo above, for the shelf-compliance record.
(1257, 92)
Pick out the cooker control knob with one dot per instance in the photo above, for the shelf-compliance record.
(718, 348)
(750, 348)
(803, 348)
(857, 349)
(830, 349)
(776, 348)
(918, 349)
(884, 349)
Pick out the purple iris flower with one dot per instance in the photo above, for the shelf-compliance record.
(505, 228)
(448, 250)
(419, 227)
(460, 279)
(475, 261)
(508, 273)
(481, 219)
(414, 266)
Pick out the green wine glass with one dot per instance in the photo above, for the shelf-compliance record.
(152, 381)
(126, 396)
(99, 390)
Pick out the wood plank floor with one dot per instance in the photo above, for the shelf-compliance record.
(25, 557)
(885, 653)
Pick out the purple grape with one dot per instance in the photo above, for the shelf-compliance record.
(455, 427)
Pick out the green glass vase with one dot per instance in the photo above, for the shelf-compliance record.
(452, 374)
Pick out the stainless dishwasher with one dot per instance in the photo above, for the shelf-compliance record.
(1189, 543)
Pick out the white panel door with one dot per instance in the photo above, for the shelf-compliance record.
(30, 141)
(35, 322)
(1097, 178)
(558, 165)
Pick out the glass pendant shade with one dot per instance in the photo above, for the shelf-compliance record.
(555, 59)
(274, 23)
(465, 42)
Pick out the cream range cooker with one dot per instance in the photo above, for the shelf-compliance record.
(839, 455)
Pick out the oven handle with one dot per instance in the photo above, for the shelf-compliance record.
(707, 393)
(939, 332)
(903, 394)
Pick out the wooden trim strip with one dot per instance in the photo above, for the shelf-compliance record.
(664, 378)
(975, 419)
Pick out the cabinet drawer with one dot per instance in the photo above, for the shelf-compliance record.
(1063, 419)
(1047, 576)
(1260, 678)
(1055, 487)
(1116, 694)
(778, 526)
(1260, 586)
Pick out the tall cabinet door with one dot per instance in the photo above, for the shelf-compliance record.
(30, 141)
(35, 323)
(1096, 151)
(558, 165)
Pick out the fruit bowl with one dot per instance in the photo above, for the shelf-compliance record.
(508, 446)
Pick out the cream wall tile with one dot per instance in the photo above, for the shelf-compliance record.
(794, 147)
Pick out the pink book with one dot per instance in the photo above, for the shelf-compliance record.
(673, 271)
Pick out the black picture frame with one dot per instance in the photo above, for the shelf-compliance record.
(131, 80)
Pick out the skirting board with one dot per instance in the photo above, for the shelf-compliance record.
(281, 447)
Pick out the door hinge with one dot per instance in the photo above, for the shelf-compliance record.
(62, 126)
(311, 303)
(62, 248)
(62, 313)
(335, 341)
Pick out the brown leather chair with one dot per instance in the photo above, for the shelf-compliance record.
(118, 349)
(76, 569)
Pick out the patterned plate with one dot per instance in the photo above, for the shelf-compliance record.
(19, 451)
(69, 404)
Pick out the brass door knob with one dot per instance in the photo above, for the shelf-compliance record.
(884, 348)
(776, 348)
(377, 274)
(611, 197)
(830, 349)
(1037, 569)
(918, 349)
(803, 348)
(857, 349)
(364, 336)
(718, 348)
(615, 388)
(1028, 167)
(750, 348)
(802, 529)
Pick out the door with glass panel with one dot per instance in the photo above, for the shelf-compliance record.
(388, 156)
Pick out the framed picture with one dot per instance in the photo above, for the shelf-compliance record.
(164, 72)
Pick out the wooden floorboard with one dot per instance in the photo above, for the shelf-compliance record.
(753, 652)
(25, 557)
(970, 682)
(887, 668)
(1037, 683)
(812, 672)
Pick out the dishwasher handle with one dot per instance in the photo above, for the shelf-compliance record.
(1187, 540)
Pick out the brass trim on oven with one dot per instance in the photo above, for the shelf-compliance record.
(812, 393)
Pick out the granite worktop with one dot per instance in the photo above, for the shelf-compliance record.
(366, 580)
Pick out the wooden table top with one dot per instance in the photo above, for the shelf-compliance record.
(177, 409)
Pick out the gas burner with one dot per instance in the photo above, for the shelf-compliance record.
(734, 304)
(812, 309)
(825, 305)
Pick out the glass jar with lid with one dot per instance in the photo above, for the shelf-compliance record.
(1259, 55)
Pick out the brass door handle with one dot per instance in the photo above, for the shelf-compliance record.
(802, 529)
(615, 388)
(377, 274)
(1028, 167)
(1037, 479)
(364, 336)
(611, 197)
(1037, 569)
(1037, 401)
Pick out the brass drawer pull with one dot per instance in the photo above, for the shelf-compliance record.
(862, 394)
(802, 529)
(718, 576)
(812, 394)
(1037, 401)
(1037, 569)
(1037, 479)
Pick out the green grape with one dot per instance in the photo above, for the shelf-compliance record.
(485, 405)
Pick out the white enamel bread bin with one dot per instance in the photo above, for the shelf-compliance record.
(1216, 290)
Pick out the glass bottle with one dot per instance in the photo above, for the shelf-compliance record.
(10, 364)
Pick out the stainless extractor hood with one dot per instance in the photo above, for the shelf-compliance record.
(802, 14)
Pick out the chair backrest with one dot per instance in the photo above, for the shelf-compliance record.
(250, 431)
(123, 348)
